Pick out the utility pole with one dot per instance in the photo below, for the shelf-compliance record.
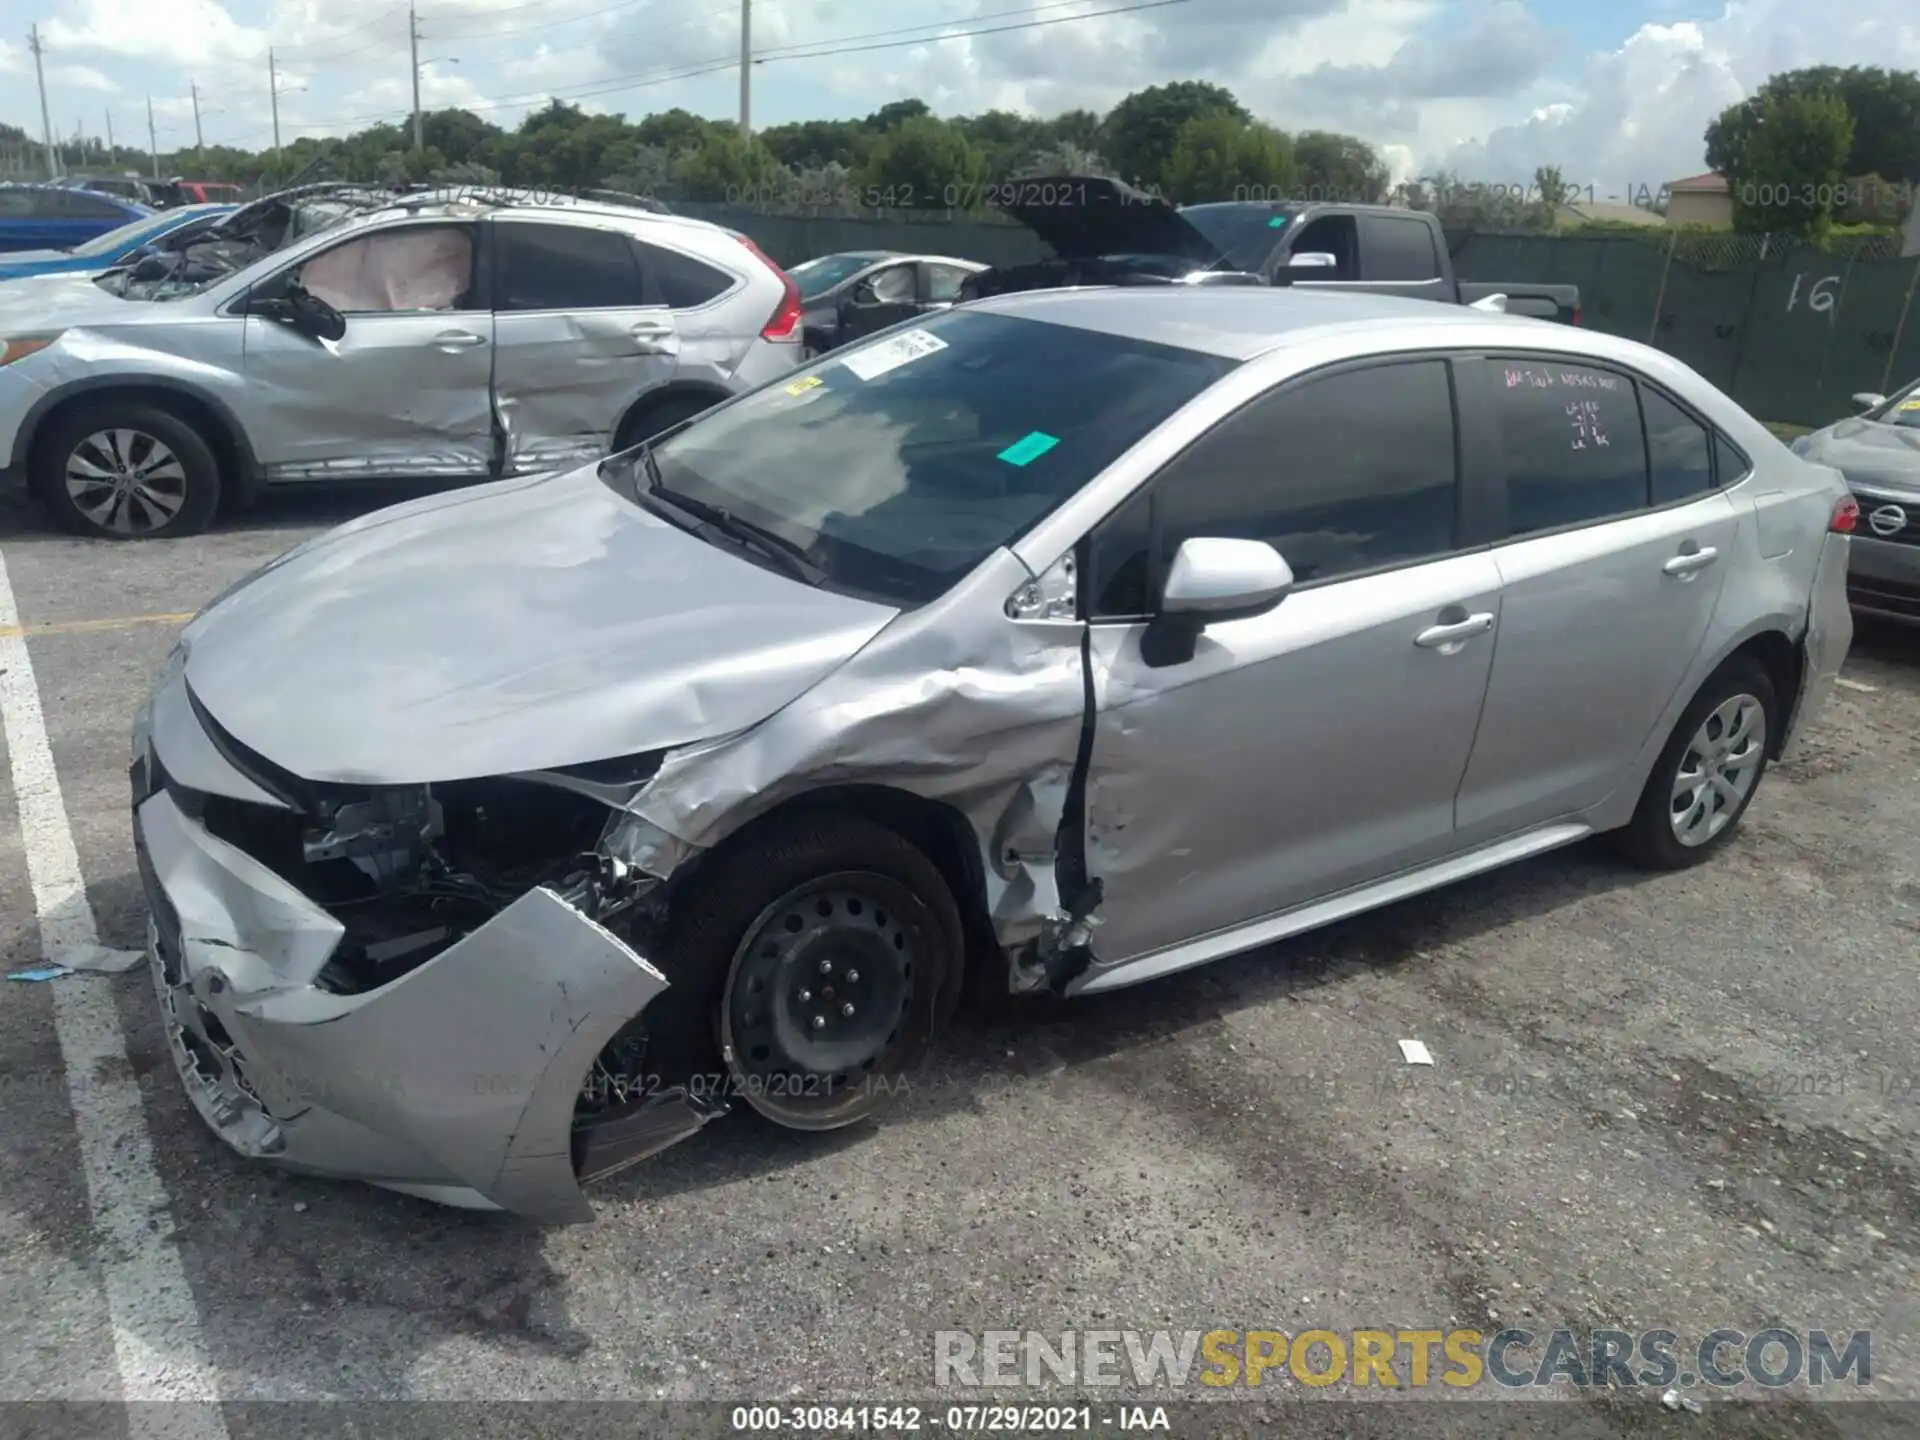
(273, 90)
(199, 142)
(413, 34)
(46, 121)
(153, 143)
(113, 156)
(746, 69)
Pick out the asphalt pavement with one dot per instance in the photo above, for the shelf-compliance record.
(1689, 1101)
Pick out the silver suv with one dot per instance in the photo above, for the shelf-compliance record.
(432, 339)
(1061, 641)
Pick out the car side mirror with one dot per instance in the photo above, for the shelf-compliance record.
(1313, 260)
(311, 315)
(1867, 401)
(1210, 582)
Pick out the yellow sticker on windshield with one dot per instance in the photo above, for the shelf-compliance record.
(1910, 404)
(800, 387)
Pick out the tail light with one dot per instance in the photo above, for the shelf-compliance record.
(785, 323)
(1576, 314)
(1846, 516)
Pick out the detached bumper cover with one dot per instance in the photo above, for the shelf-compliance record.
(457, 1081)
(1829, 635)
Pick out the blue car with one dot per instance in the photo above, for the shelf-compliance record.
(113, 248)
(57, 217)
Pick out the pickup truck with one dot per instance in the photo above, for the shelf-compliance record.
(1377, 248)
(1104, 232)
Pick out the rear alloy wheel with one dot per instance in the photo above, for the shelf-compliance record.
(1708, 773)
(129, 472)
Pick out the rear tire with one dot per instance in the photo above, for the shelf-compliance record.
(126, 470)
(1708, 773)
(810, 970)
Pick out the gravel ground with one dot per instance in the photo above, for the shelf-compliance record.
(1688, 1101)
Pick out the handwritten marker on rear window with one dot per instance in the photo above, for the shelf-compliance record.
(1029, 447)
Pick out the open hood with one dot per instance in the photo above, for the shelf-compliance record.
(1083, 216)
(525, 625)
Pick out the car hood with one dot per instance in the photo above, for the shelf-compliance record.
(31, 257)
(1868, 452)
(1082, 216)
(59, 301)
(524, 625)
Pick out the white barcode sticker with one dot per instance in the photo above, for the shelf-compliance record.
(902, 349)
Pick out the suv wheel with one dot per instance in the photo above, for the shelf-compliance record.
(663, 414)
(1709, 772)
(126, 471)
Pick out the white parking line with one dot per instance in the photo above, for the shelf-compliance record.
(157, 1342)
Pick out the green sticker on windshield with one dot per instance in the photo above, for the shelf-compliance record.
(1278, 222)
(1031, 446)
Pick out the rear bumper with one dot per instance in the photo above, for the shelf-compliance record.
(1883, 579)
(1829, 635)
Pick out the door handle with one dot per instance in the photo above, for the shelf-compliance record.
(1689, 561)
(650, 330)
(1439, 637)
(458, 340)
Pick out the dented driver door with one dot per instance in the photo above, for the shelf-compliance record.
(576, 345)
(404, 391)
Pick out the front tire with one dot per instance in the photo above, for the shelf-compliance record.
(1708, 773)
(126, 471)
(660, 415)
(815, 964)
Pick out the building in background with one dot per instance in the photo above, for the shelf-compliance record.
(1700, 200)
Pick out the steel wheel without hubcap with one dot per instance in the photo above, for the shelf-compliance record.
(1718, 769)
(820, 991)
(126, 481)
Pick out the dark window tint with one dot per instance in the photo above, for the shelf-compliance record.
(1339, 474)
(900, 464)
(944, 282)
(677, 280)
(1730, 462)
(1334, 235)
(1680, 448)
(565, 267)
(85, 205)
(1398, 249)
(1573, 444)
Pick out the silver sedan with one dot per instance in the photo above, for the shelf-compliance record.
(1879, 453)
(1056, 643)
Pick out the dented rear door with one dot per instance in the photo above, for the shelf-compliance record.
(575, 345)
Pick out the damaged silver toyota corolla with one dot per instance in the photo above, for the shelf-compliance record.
(498, 840)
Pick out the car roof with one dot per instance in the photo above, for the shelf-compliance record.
(1241, 322)
(498, 203)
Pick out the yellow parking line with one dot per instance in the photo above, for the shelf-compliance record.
(74, 627)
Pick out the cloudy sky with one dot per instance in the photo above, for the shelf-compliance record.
(1616, 94)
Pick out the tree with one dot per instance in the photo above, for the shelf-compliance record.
(727, 168)
(923, 164)
(1138, 134)
(1338, 168)
(1217, 157)
(1078, 128)
(810, 144)
(675, 130)
(1791, 156)
(898, 112)
(1065, 158)
(460, 135)
(1885, 106)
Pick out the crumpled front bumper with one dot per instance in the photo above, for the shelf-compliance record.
(456, 1081)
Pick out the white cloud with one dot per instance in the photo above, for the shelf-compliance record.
(81, 77)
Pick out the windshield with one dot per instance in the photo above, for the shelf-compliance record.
(1902, 410)
(114, 241)
(816, 277)
(1244, 232)
(900, 464)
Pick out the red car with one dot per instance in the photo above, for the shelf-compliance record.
(206, 192)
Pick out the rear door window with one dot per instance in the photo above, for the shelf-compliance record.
(565, 267)
(679, 281)
(1679, 447)
(1574, 450)
(1398, 249)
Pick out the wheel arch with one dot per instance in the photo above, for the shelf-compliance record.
(239, 471)
(625, 433)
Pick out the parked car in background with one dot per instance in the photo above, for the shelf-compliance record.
(426, 339)
(126, 187)
(116, 247)
(1879, 453)
(1102, 232)
(202, 192)
(59, 217)
(856, 292)
(1380, 249)
(1060, 642)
